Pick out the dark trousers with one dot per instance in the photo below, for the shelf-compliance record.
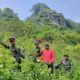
(50, 66)
(19, 64)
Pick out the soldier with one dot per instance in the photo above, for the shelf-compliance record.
(65, 63)
(16, 52)
(39, 52)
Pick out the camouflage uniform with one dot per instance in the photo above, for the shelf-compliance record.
(65, 64)
(16, 53)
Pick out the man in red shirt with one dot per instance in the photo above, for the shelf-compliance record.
(48, 57)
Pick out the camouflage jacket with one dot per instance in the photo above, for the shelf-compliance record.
(16, 52)
(66, 64)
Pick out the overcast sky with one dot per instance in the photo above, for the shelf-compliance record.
(70, 8)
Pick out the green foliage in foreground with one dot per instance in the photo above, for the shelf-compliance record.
(62, 41)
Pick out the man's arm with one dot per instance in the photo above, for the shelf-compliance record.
(52, 57)
(58, 66)
(6, 46)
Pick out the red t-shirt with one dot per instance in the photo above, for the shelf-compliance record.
(48, 56)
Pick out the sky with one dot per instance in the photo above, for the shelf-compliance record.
(69, 8)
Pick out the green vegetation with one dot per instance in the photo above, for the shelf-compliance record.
(63, 40)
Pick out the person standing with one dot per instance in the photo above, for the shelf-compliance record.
(16, 52)
(48, 57)
(39, 52)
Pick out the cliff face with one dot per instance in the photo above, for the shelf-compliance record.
(42, 14)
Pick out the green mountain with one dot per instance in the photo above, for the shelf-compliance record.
(7, 14)
(10, 22)
(42, 14)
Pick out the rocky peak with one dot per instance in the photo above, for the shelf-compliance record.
(42, 14)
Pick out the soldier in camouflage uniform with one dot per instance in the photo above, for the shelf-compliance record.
(16, 52)
(65, 63)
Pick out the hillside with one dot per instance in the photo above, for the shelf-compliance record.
(41, 15)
